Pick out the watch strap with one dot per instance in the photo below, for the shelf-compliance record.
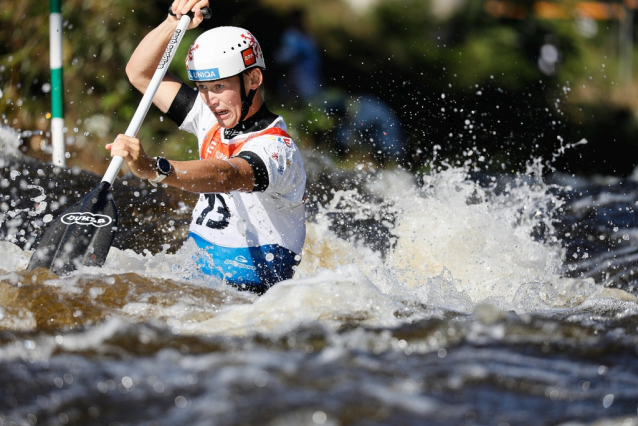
(161, 175)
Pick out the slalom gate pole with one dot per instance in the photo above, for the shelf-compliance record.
(57, 87)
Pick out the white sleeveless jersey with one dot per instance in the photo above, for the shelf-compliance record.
(275, 216)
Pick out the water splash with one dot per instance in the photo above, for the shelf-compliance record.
(9, 142)
(460, 242)
(389, 250)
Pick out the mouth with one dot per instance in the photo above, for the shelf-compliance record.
(221, 113)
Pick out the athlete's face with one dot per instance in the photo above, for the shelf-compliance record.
(224, 100)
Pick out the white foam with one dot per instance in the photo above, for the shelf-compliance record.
(13, 258)
(481, 244)
(9, 142)
(331, 297)
(42, 347)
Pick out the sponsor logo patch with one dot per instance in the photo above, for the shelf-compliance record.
(86, 218)
(249, 56)
(203, 75)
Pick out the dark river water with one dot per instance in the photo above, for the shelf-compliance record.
(454, 298)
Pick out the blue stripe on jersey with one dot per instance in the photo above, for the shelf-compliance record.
(257, 268)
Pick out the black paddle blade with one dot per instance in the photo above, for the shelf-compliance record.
(82, 235)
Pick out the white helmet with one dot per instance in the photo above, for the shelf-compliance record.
(223, 52)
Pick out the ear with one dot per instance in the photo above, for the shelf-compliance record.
(255, 78)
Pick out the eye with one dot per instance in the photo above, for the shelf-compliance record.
(219, 87)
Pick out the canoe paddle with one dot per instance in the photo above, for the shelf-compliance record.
(83, 233)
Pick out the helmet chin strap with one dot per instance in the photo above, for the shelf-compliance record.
(246, 99)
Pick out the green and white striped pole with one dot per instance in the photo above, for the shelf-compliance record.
(57, 88)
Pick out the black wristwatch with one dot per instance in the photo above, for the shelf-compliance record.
(163, 168)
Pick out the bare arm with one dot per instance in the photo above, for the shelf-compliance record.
(205, 176)
(142, 64)
(199, 176)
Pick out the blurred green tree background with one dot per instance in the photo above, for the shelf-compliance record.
(493, 81)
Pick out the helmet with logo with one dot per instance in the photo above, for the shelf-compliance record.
(223, 52)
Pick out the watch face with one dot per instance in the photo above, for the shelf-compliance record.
(163, 166)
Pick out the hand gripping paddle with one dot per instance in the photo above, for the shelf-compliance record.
(83, 234)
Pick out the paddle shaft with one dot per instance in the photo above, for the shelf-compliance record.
(147, 99)
(83, 234)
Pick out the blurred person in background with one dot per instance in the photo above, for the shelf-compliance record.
(299, 56)
(368, 124)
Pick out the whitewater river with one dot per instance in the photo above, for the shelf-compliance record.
(455, 298)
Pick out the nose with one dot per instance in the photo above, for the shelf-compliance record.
(209, 98)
